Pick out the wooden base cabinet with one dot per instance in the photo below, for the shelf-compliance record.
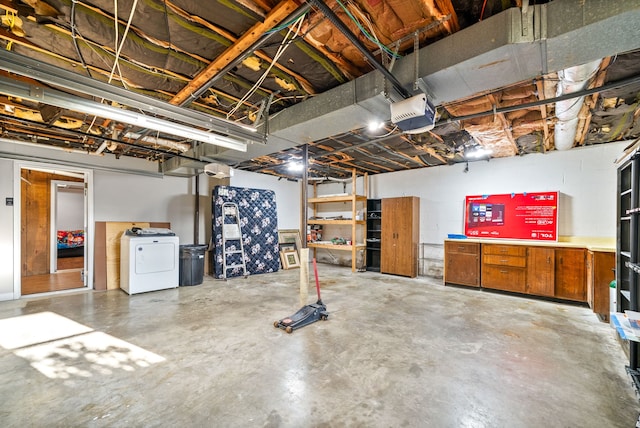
(571, 274)
(541, 268)
(538, 270)
(400, 236)
(600, 273)
(462, 263)
(557, 272)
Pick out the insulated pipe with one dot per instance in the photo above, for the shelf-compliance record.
(326, 10)
(573, 79)
(175, 145)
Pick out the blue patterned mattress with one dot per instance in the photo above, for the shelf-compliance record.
(259, 226)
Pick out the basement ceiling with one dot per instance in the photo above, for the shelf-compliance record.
(279, 76)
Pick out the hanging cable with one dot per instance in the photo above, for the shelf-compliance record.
(366, 34)
(124, 36)
(74, 37)
(116, 30)
(283, 26)
(283, 47)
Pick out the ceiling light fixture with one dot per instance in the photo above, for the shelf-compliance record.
(295, 166)
(61, 99)
(46, 73)
(477, 153)
(375, 125)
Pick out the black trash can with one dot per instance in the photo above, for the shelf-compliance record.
(192, 264)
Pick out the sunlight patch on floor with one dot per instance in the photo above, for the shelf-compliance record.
(26, 330)
(60, 348)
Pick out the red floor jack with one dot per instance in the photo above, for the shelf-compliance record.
(307, 314)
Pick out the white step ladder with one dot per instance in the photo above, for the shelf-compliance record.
(232, 234)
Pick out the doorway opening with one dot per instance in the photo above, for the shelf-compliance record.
(54, 236)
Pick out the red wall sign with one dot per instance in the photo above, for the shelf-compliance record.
(512, 216)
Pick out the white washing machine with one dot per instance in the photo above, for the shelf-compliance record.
(149, 260)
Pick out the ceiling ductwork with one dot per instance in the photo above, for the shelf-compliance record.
(492, 76)
(507, 48)
(573, 79)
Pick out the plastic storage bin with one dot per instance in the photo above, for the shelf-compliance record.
(192, 264)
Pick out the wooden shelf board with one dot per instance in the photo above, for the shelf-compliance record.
(334, 247)
(341, 221)
(340, 198)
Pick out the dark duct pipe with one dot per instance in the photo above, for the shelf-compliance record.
(326, 10)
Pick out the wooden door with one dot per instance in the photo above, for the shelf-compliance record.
(541, 271)
(388, 240)
(400, 234)
(35, 222)
(570, 277)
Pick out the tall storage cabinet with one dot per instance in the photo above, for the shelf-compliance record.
(400, 236)
(627, 250)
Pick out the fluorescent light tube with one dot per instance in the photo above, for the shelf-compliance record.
(61, 99)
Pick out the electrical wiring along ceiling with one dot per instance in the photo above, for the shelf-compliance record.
(287, 70)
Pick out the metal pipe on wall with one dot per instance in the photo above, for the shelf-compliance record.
(303, 196)
(196, 221)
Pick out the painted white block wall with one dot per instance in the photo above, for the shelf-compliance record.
(70, 210)
(133, 197)
(6, 230)
(585, 177)
(287, 195)
(125, 197)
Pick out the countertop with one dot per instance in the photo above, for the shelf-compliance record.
(598, 244)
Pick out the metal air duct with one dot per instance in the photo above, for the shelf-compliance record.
(573, 79)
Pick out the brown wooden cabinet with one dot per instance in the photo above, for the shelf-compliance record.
(400, 236)
(600, 273)
(462, 263)
(504, 267)
(540, 271)
(570, 274)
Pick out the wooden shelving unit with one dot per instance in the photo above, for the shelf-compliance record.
(357, 203)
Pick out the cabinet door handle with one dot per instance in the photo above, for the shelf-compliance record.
(504, 271)
(504, 261)
(548, 260)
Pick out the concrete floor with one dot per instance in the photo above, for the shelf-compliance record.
(395, 352)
